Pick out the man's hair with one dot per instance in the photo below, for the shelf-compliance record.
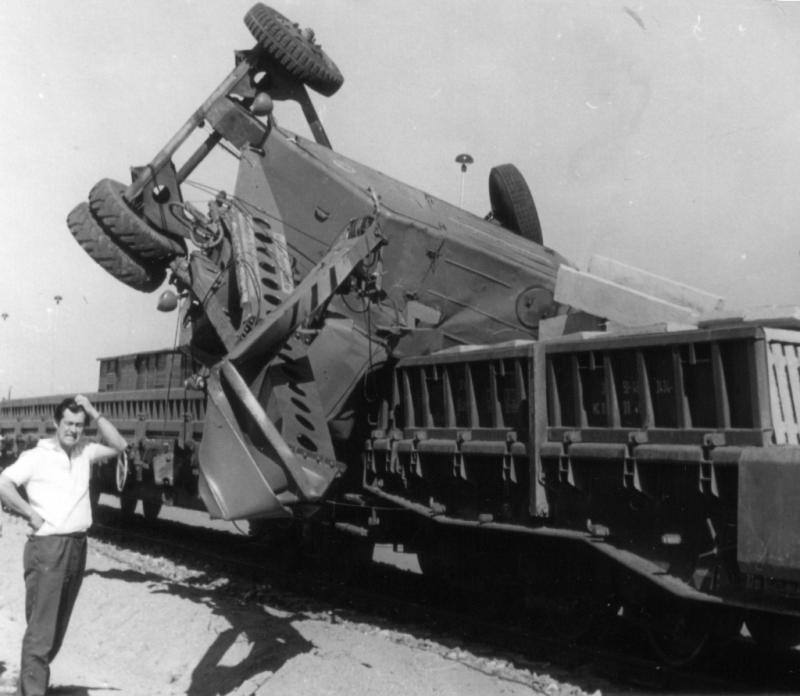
(68, 404)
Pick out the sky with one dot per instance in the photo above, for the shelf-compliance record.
(663, 134)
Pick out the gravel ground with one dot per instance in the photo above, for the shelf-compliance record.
(144, 626)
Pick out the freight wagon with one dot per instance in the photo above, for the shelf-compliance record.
(161, 416)
(654, 473)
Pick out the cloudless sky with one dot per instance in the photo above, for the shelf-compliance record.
(665, 134)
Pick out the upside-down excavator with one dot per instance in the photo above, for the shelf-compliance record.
(604, 441)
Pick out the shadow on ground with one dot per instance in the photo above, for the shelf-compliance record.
(71, 690)
(271, 639)
(7, 686)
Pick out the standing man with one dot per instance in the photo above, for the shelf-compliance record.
(55, 475)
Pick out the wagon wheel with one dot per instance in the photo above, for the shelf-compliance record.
(583, 602)
(774, 632)
(122, 264)
(441, 562)
(123, 224)
(512, 202)
(582, 617)
(294, 49)
(679, 635)
(121, 471)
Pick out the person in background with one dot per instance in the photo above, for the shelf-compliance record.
(55, 475)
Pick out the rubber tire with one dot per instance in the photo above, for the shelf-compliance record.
(512, 202)
(131, 231)
(120, 263)
(672, 651)
(299, 56)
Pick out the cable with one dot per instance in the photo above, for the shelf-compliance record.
(355, 311)
(169, 374)
(211, 287)
(221, 143)
(247, 208)
(370, 399)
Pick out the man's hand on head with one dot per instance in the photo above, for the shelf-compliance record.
(86, 405)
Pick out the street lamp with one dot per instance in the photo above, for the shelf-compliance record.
(463, 159)
(52, 316)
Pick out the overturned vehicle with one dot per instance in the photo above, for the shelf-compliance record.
(385, 363)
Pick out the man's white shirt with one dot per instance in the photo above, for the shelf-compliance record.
(57, 486)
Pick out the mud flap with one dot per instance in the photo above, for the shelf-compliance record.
(769, 512)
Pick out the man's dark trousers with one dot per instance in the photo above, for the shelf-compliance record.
(54, 568)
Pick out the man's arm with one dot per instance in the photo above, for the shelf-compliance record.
(115, 443)
(11, 497)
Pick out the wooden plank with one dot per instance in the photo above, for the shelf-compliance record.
(554, 327)
(613, 327)
(563, 324)
(655, 285)
(604, 298)
(772, 316)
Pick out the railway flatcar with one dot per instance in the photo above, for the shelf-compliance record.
(384, 363)
(652, 473)
(151, 399)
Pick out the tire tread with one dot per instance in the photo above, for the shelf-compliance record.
(302, 59)
(122, 223)
(512, 202)
(94, 240)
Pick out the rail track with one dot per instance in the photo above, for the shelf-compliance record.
(334, 576)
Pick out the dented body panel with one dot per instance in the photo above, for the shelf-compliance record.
(468, 273)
